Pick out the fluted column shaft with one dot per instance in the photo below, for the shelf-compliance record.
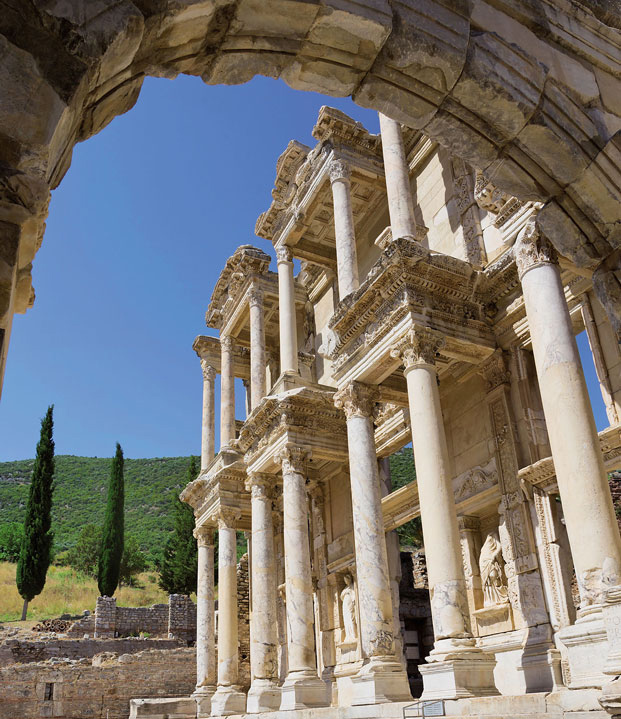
(264, 694)
(205, 629)
(286, 312)
(582, 480)
(208, 439)
(257, 348)
(346, 257)
(227, 392)
(400, 205)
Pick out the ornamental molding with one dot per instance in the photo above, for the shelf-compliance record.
(494, 371)
(244, 264)
(532, 249)
(357, 400)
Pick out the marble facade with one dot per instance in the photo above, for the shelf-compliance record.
(403, 325)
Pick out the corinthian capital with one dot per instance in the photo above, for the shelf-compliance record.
(209, 372)
(227, 342)
(532, 249)
(283, 254)
(356, 399)
(339, 170)
(419, 347)
(255, 297)
(293, 459)
(228, 517)
(494, 371)
(204, 535)
(260, 484)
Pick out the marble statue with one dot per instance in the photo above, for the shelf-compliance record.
(492, 576)
(348, 603)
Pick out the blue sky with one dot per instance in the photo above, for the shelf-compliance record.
(137, 234)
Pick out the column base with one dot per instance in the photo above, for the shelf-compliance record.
(457, 669)
(228, 700)
(303, 690)
(586, 646)
(263, 696)
(202, 696)
(381, 680)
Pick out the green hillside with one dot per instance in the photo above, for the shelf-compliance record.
(80, 495)
(81, 485)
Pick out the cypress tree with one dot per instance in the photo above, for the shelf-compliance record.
(36, 550)
(179, 567)
(112, 536)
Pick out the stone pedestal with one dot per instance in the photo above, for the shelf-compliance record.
(205, 629)
(382, 677)
(228, 699)
(346, 257)
(264, 693)
(456, 668)
(302, 687)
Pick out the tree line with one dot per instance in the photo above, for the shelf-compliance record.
(104, 552)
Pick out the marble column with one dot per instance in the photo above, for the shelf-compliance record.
(264, 694)
(400, 205)
(382, 677)
(228, 699)
(302, 688)
(346, 259)
(582, 480)
(208, 437)
(205, 625)
(286, 311)
(257, 348)
(227, 392)
(456, 668)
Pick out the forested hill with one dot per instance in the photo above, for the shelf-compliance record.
(80, 495)
(81, 485)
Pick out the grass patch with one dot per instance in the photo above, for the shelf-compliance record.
(68, 592)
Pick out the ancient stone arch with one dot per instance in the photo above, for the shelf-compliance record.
(528, 92)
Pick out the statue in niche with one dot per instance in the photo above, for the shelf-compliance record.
(348, 604)
(492, 574)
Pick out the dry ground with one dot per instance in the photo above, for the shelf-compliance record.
(67, 592)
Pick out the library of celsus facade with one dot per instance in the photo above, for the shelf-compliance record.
(412, 302)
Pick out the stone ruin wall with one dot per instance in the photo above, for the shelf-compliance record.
(243, 615)
(98, 688)
(177, 620)
(25, 651)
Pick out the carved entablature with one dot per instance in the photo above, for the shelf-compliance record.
(301, 217)
(543, 475)
(304, 417)
(246, 263)
(220, 491)
(407, 287)
(499, 203)
(208, 349)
